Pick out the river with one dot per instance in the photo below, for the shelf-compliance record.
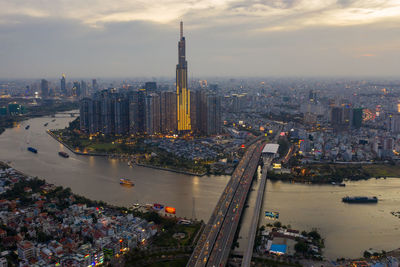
(348, 229)
(98, 177)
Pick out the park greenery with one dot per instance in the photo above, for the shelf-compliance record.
(129, 147)
(304, 244)
(284, 145)
(150, 258)
(58, 193)
(165, 250)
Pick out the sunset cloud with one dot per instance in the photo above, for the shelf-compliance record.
(265, 15)
(224, 37)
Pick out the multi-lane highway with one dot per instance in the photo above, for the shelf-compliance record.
(267, 160)
(216, 240)
(257, 210)
(220, 253)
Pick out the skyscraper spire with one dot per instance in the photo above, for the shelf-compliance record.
(183, 94)
(181, 29)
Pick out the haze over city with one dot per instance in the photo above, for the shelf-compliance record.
(200, 133)
(225, 38)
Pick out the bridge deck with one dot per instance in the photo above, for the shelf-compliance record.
(216, 240)
(257, 209)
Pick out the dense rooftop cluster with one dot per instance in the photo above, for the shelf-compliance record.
(46, 224)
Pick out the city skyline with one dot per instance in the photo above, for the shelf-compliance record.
(227, 38)
(275, 142)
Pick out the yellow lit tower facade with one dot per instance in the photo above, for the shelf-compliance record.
(182, 92)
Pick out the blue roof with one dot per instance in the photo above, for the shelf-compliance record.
(278, 248)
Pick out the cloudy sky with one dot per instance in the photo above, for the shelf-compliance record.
(132, 38)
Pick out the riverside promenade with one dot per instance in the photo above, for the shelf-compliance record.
(119, 156)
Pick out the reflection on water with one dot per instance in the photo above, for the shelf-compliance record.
(348, 229)
(98, 177)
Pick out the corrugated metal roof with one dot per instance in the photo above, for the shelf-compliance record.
(271, 148)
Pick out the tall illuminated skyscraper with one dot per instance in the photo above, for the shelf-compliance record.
(183, 94)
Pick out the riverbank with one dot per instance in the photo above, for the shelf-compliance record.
(278, 239)
(9, 121)
(335, 173)
(46, 206)
(118, 156)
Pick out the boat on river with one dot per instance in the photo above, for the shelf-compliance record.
(33, 150)
(63, 154)
(124, 181)
(360, 199)
(338, 184)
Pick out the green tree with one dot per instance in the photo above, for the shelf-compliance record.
(153, 216)
(314, 234)
(367, 254)
(278, 224)
(94, 218)
(301, 247)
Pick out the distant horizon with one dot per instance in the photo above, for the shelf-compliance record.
(282, 38)
(166, 78)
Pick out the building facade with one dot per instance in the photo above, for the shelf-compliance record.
(63, 85)
(44, 86)
(182, 92)
(149, 111)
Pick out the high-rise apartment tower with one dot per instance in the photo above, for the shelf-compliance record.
(183, 94)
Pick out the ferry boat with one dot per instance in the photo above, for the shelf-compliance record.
(33, 150)
(158, 207)
(338, 184)
(124, 181)
(360, 199)
(27, 127)
(63, 154)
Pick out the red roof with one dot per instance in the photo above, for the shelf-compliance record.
(25, 244)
